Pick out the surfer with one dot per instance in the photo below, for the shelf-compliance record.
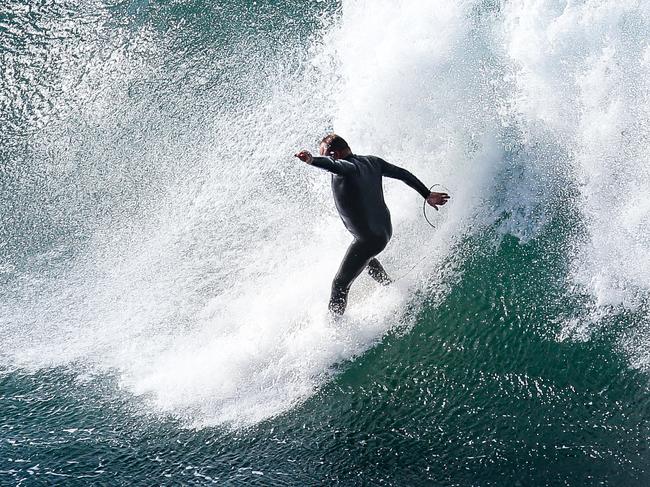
(359, 198)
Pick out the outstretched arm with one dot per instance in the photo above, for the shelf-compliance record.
(396, 172)
(336, 166)
(434, 199)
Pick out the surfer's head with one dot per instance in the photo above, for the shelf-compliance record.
(335, 146)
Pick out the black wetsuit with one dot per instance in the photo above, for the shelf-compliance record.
(359, 198)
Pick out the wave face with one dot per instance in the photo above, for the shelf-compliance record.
(162, 229)
(581, 80)
(158, 235)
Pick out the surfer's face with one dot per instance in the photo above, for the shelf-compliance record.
(324, 150)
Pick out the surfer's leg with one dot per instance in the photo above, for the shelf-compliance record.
(378, 273)
(355, 260)
(357, 257)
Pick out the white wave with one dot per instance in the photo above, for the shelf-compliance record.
(210, 299)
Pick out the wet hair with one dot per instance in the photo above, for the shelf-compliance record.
(335, 142)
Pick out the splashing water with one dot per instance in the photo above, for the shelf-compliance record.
(160, 228)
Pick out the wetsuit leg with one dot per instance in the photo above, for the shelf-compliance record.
(355, 261)
(378, 273)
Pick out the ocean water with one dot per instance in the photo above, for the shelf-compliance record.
(165, 262)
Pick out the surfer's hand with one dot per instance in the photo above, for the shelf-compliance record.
(304, 156)
(437, 199)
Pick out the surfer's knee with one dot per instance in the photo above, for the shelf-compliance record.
(377, 244)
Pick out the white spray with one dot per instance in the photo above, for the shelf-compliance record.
(210, 300)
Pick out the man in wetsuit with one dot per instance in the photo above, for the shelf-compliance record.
(359, 198)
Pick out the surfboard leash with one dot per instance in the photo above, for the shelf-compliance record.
(424, 205)
(410, 270)
(424, 213)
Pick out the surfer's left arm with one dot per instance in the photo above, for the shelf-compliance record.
(433, 198)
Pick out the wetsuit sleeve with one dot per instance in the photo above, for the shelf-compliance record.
(339, 166)
(396, 172)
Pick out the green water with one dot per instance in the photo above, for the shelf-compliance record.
(478, 392)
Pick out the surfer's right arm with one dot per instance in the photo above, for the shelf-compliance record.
(336, 166)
